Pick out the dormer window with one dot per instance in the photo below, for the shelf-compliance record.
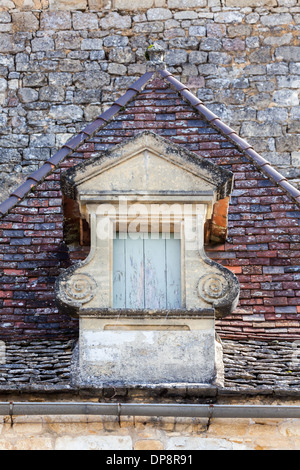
(147, 288)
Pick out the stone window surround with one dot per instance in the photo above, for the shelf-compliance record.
(184, 225)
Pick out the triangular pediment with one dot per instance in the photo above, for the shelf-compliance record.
(147, 163)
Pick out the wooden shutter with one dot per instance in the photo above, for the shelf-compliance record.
(147, 273)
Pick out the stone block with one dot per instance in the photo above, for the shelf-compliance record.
(91, 79)
(28, 95)
(296, 159)
(60, 79)
(122, 55)
(83, 21)
(66, 113)
(197, 31)
(42, 140)
(152, 27)
(197, 57)
(3, 85)
(275, 114)
(114, 20)
(295, 113)
(12, 44)
(52, 93)
(176, 57)
(67, 40)
(252, 18)
(117, 69)
(203, 443)
(148, 444)
(262, 55)
(5, 17)
(91, 45)
(219, 58)
(36, 79)
(39, 154)
(284, 144)
(7, 4)
(186, 15)
(251, 3)
(278, 40)
(240, 30)
(285, 97)
(229, 17)
(288, 53)
(277, 19)
(103, 344)
(9, 156)
(115, 41)
(185, 4)
(55, 20)
(211, 44)
(216, 30)
(42, 44)
(235, 44)
(289, 81)
(184, 43)
(6, 28)
(133, 5)
(154, 14)
(67, 4)
(254, 129)
(97, 442)
(25, 21)
(91, 112)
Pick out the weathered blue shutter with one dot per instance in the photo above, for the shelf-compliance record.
(146, 273)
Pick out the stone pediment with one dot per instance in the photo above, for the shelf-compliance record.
(147, 164)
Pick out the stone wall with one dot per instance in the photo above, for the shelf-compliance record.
(144, 433)
(62, 62)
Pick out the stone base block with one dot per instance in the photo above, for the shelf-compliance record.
(138, 352)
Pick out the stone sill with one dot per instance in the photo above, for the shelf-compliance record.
(147, 313)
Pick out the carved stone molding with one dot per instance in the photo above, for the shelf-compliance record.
(75, 289)
(220, 290)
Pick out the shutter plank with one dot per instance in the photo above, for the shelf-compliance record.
(155, 274)
(119, 273)
(134, 273)
(173, 263)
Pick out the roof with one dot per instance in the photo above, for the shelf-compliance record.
(251, 368)
(89, 131)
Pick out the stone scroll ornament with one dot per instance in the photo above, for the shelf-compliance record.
(80, 288)
(219, 290)
(76, 289)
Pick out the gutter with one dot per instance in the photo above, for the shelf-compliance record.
(145, 409)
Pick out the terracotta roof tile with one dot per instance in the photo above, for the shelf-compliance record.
(124, 100)
(59, 156)
(209, 115)
(76, 141)
(8, 204)
(91, 128)
(41, 173)
(24, 189)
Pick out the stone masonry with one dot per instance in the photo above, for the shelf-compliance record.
(63, 62)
